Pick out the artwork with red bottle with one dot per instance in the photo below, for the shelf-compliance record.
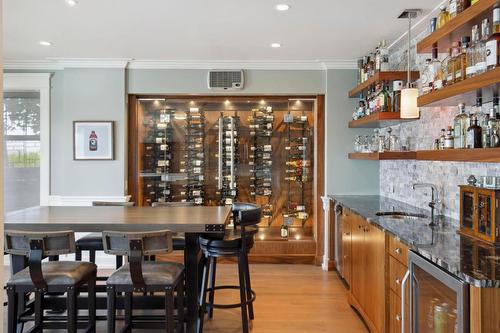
(93, 140)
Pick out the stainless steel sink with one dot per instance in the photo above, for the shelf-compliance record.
(402, 215)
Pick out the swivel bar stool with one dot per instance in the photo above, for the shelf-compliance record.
(42, 278)
(236, 242)
(144, 276)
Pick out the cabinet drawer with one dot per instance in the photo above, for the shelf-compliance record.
(398, 250)
(395, 317)
(397, 272)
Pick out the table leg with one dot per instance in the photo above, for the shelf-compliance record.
(191, 258)
(18, 263)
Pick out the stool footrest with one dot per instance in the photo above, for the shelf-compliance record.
(230, 306)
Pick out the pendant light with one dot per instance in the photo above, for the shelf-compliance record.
(409, 108)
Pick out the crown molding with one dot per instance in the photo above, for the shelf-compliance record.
(62, 63)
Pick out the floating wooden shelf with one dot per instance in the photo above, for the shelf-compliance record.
(381, 76)
(487, 155)
(390, 155)
(461, 92)
(460, 25)
(378, 120)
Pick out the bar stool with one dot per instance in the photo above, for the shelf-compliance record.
(148, 276)
(179, 242)
(93, 242)
(41, 278)
(235, 243)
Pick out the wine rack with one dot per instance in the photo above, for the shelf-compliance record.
(218, 150)
(260, 159)
(157, 155)
(194, 156)
(296, 170)
(227, 158)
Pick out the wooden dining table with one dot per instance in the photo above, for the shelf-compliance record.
(193, 221)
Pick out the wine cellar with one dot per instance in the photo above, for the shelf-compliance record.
(217, 150)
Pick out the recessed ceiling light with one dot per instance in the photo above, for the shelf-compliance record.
(45, 43)
(282, 7)
(275, 45)
(72, 2)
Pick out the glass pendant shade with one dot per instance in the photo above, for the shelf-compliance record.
(409, 108)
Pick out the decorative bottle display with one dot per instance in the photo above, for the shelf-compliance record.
(296, 168)
(214, 151)
(261, 152)
(93, 141)
(228, 158)
(157, 147)
(194, 157)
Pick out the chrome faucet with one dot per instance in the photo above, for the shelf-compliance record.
(434, 198)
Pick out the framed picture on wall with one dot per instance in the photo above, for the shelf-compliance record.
(93, 140)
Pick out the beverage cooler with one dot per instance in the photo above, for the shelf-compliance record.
(439, 302)
(218, 150)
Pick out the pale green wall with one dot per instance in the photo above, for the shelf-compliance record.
(87, 94)
(344, 176)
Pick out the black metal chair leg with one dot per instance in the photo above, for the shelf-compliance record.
(92, 302)
(12, 300)
(111, 309)
(180, 306)
(78, 254)
(38, 311)
(203, 294)
(128, 312)
(72, 311)
(249, 287)
(211, 295)
(92, 256)
(243, 293)
(169, 310)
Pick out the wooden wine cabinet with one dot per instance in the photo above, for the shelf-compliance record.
(479, 213)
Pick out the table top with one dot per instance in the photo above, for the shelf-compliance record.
(196, 219)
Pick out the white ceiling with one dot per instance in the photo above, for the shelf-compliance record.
(202, 30)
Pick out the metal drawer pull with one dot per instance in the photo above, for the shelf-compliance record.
(398, 281)
(403, 294)
(398, 317)
(397, 250)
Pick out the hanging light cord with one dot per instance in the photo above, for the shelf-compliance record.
(409, 50)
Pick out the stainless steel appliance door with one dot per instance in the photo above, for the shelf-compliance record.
(439, 302)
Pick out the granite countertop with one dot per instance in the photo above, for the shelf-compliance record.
(471, 261)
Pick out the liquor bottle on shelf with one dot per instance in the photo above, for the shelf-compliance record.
(461, 124)
(493, 42)
(462, 5)
(474, 137)
(471, 53)
(455, 62)
(452, 8)
(437, 71)
(449, 139)
(443, 18)
(461, 60)
(480, 49)
(426, 77)
(442, 138)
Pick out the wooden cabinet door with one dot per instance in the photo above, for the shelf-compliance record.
(359, 272)
(346, 248)
(374, 275)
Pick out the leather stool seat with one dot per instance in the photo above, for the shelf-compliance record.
(232, 240)
(56, 273)
(154, 273)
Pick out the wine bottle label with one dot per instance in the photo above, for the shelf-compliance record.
(471, 70)
(159, 140)
(198, 201)
(161, 125)
(453, 8)
(470, 139)
(438, 84)
(194, 109)
(164, 118)
(481, 67)
(491, 53)
(163, 147)
(162, 163)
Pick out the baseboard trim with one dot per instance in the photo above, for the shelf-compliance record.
(60, 200)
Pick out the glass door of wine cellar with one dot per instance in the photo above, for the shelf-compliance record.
(218, 150)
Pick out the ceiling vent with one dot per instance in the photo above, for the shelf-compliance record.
(225, 79)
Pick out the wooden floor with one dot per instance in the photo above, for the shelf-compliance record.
(290, 298)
